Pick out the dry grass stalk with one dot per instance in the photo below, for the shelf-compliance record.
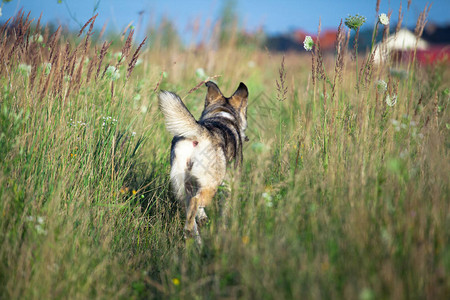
(320, 70)
(102, 31)
(71, 64)
(49, 78)
(34, 54)
(3, 44)
(386, 28)
(419, 104)
(90, 68)
(53, 40)
(37, 29)
(365, 74)
(126, 48)
(422, 21)
(297, 156)
(159, 82)
(20, 27)
(436, 109)
(3, 30)
(73, 61)
(347, 40)
(78, 76)
(135, 58)
(56, 65)
(60, 75)
(339, 63)
(89, 34)
(418, 31)
(102, 54)
(46, 34)
(200, 84)
(67, 59)
(112, 89)
(400, 19)
(313, 67)
(92, 19)
(281, 82)
(325, 96)
(378, 7)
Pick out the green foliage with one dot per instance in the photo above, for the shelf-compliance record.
(339, 196)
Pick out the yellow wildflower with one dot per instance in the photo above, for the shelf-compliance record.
(176, 281)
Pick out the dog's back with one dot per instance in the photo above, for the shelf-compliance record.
(200, 150)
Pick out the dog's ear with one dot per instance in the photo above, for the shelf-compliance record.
(214, 94)
(239, 98)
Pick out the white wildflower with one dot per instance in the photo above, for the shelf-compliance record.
(308, 43)
(395, 122)
(391, 100)
(38, 38)
(40, 229)
(200, 73)
(133, 133)
(381, 86)
(383, 19)
(25, 69)
(268, 198)
(39, 224)
(112, 73)
(137, 97)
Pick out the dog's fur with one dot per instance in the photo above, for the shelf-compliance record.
(201, 149)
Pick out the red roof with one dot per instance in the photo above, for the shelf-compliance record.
(327, 38)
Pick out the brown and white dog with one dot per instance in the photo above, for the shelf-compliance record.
(201, 149)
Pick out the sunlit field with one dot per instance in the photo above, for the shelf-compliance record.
(343, 194)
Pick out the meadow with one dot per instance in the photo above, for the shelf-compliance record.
(343, 193)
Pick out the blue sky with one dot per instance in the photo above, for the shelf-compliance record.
(274, 15)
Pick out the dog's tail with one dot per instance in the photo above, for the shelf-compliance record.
(179, 121)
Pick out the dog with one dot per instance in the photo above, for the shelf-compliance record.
(202, 149)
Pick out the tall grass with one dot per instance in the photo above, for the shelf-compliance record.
(340, 196)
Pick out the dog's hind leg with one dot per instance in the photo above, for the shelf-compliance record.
(202, 218)
(201, 199)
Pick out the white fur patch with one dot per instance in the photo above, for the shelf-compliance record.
(225, 115)
(183, 153)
